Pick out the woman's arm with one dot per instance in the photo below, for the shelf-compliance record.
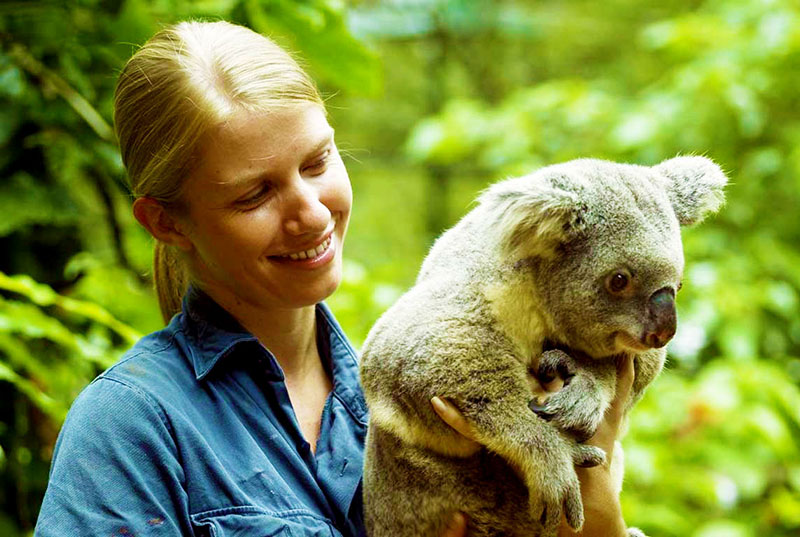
(601, 507)
(115, 469)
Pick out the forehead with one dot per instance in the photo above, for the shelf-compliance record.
(249, 143)
(633, 219)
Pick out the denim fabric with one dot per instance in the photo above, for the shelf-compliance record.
(193, 433)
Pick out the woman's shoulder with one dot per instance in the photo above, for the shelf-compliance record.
(156, 369)
(156, 360)
(130, 389)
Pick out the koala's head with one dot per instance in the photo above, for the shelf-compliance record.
(601, 243)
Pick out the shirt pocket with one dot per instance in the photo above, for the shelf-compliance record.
(253, 522)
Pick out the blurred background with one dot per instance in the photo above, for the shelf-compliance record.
(433, 100)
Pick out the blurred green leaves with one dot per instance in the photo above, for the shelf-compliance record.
(435, 99)
(717, 453)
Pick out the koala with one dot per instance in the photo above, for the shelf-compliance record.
(555, 274)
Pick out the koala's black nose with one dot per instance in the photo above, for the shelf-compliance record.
(662, 318)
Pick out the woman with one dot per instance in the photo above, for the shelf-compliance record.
(244, 415)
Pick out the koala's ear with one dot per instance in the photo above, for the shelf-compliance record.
(531, 218)
(694, 186)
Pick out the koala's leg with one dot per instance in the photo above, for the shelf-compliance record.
(588, 388)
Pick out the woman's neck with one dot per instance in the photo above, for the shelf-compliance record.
(289, 334)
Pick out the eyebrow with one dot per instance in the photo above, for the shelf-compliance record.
(259, 175)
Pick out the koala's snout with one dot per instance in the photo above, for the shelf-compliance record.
(662, 318)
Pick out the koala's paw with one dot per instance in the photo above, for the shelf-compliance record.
(559, 497)
(578, 407)
(635, 532)
(559, 487)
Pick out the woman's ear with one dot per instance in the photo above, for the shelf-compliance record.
(162, 225)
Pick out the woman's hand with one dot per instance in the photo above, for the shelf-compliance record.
(602, 511)
(457, 526)
(452, 417)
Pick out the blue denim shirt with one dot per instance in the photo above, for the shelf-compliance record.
(193, 433)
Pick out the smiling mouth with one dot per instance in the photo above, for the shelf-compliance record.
(311, 253)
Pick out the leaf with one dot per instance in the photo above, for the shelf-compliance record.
(43, 295)
(724, 528)
(40, 399)
(317, 29)
(24, 201)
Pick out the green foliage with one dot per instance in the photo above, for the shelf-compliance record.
(435, 99)
(731, 467)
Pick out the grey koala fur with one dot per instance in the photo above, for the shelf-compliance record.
(520, 287)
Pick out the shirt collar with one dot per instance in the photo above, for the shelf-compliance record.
(344, 364)
(212, 333)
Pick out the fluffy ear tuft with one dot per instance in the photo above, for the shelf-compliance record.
(531, 218)
(695, 187)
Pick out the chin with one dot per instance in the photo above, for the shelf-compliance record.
(629, 344)
(324, 291)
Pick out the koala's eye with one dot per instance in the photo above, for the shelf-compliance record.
(618, 281)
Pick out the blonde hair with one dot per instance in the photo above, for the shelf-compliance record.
(187, 79)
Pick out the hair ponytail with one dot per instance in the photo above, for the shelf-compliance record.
(187, 79)
(170, 279)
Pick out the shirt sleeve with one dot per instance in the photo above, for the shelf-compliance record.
(115, 469)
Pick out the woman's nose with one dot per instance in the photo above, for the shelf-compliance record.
(304, 210)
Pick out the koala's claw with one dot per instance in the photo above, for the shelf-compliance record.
(572, 508)
(587, 456)
(540, 410)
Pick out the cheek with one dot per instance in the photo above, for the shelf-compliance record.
(243, 232)
(338, 195)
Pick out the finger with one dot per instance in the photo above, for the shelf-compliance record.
(607, 432)
(452, 417)
(625, 377)
(456, 527)
(552, 386)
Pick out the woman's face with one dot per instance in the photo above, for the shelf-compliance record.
(267, 210)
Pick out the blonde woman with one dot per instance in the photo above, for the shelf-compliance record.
(244, 415)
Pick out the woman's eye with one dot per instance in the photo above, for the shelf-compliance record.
(319, 165)
(250, 202)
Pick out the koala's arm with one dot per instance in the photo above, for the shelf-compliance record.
(493, 394)
(588, 388)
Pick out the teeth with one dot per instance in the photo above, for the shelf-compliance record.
(310, 253)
